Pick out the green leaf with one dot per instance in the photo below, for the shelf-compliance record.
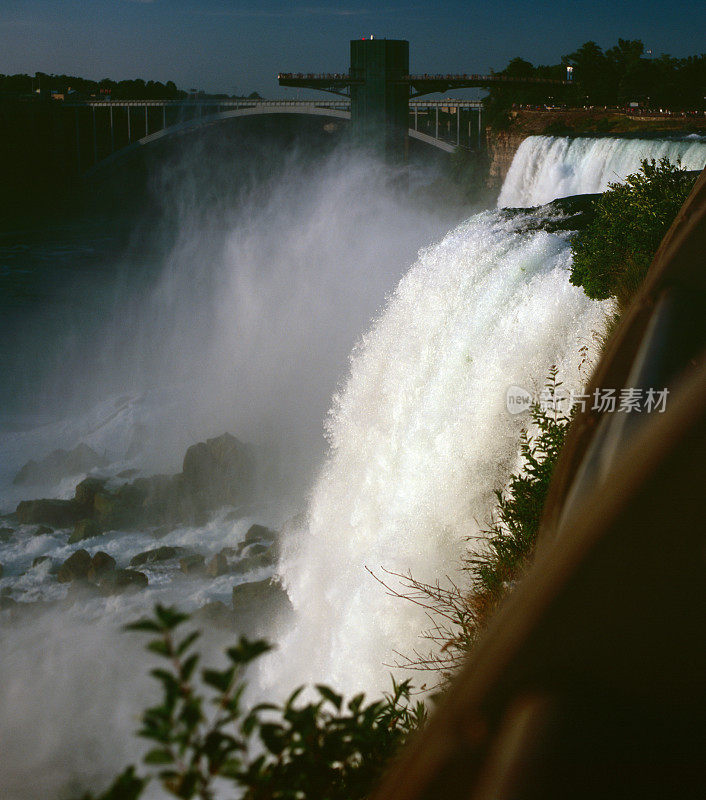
(218, 679)
(159, 756)
(328, 694)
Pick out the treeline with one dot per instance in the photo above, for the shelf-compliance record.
(619, 75)
(19, 86)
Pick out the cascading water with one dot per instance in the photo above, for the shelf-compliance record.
(420, 437)
(547, 167)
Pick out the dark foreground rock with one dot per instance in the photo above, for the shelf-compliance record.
(258, 604)
(122, 580)
(218, 472)
(157, 555)
(59, 464)
(75, 567)
(194, 564)
(57, 513)
(6, 534)
(85, 529)
(215, 473)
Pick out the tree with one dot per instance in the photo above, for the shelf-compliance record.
(612, 254)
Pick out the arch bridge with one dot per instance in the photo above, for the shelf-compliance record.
(106, 131)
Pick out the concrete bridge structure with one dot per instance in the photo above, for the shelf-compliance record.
(107, 131)
(378, 95)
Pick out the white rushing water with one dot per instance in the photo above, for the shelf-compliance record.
(547, 167)
(420, 437)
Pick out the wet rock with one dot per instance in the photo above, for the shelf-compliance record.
(192, 564)
(218, 472)
(86, 491)
(2, 569)
(42, 530)
(250, 563)
(57, 513)
(6, 534)
(214, 613)
(7, 603)
(75, 567)
(39, 560)
(164, 553)
(256, 603)
(101, 564)
(85, 529)
(59, 464)
(259, 533)
(122, 580)
(256, 549)
(223, 562)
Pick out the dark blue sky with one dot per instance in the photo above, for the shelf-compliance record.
(240, 46)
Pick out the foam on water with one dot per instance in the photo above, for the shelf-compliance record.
(547, 167)
(420, 437)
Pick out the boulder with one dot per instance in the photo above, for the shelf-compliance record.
(85, 529)
(223, 562)
(250, 563)
(86, 492)
(218, 472)
(164, 553)
(192, 564)
(59, 464)
(214, 613)
(42, 530)
(39, 560)
(75, 567)
(256, 603)
(259, 533)
(6, 534)
(122, 580)
(101, 564)
(57, 513)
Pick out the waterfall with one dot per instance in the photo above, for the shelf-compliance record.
(547, 167)
(420, 437)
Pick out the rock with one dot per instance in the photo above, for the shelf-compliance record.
(218, 472)
(7, 603)
(59, 464)
(164, 553)
(193, 564)
(86, 492)
(101, 564)
(85, 529)
(223, 562)
(6, 534)
(57, 513)
(39, 560)
(259, 533)
(214, 613)
(256, 549)
(250, 563)
(128, 473)
(42, 530)
(1, 570)
(121, 580)
(256, 603)
(75, 567)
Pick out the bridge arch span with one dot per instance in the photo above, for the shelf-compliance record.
(197, 123)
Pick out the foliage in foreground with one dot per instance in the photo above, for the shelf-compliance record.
(459, 614)
(612, 254)
(320, 750)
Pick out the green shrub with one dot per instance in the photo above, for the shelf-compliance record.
(320, 750)
(612, 254)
